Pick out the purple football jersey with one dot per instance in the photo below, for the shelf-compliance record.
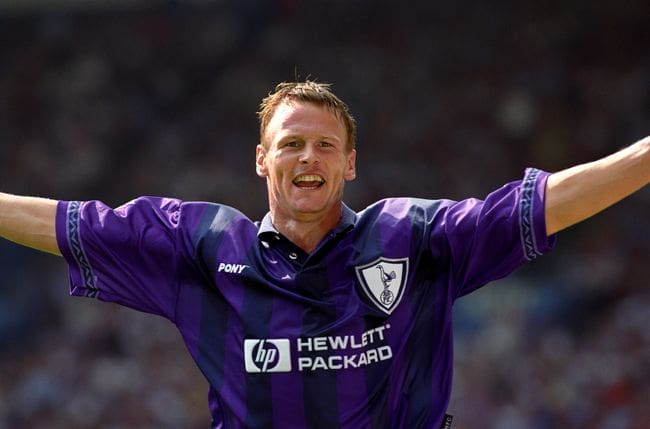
(356, 334)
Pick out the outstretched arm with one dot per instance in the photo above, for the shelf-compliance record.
(29, 221)
(577, 193)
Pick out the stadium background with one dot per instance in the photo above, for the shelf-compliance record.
(114, 99)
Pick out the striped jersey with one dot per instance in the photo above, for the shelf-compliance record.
(356, 334)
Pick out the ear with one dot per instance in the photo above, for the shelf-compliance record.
(260, 161)
(351, 167)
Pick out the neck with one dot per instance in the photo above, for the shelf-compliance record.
(305, 231)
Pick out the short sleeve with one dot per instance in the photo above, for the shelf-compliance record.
(132, 255)
(488, 239)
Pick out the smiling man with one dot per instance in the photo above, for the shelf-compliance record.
(317, 316)
(306, 154)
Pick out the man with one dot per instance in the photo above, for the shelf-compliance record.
(317, 316)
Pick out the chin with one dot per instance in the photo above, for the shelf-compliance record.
(311, 207)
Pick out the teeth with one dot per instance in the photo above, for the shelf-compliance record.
(308, 178)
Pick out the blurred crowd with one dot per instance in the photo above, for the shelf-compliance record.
(452, 100)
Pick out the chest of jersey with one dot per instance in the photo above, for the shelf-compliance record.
(326, 311)
(332, 328)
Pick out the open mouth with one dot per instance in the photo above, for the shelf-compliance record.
(308, 181)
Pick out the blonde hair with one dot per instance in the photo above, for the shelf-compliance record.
(307, 92)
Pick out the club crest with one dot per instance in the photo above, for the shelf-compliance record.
(383, 281)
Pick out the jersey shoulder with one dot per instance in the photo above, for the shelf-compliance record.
(402, 211)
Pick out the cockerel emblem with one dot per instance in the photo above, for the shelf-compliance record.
(384, 281)
(386, 296)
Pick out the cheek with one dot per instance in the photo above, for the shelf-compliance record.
(279, 170)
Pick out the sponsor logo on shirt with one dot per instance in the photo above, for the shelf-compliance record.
(318, 353)
(231, 268)
(383, 281)
(267, 355)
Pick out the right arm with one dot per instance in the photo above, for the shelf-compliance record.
(29, 221)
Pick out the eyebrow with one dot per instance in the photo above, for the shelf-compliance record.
(302, 137)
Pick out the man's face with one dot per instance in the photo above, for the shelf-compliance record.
(305, 161)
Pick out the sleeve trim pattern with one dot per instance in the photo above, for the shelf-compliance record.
(526, 215)
(74, 238)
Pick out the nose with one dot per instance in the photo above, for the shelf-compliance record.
(308, 155)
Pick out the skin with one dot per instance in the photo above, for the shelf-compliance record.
(579, 192)
(305, 142)
(30, 221)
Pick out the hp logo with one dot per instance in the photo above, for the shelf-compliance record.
(267, 355)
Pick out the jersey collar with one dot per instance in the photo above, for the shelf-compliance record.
(346, 223)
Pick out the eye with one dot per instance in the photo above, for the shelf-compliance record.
(325, 144)
(291, 143)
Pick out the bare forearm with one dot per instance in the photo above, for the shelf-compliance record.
(29, 221)
(577, 193)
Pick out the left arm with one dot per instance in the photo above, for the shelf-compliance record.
(579, 192)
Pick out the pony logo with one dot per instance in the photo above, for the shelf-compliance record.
(384, 281)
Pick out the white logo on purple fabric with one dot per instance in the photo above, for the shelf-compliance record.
(231, 268)
(327, 352)
(383, 280)
(267, 355)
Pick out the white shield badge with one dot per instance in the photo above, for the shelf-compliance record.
(383, 281)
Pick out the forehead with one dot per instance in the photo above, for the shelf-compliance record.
(304, 119)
